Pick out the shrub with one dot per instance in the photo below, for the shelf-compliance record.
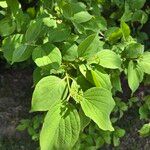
(84, 52)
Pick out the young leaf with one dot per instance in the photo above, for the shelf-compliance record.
(113, 34)
(78, 86)
(144, 62)
(119, 132)
(116, 141)
(109, 59)
(125, 30)
(76, 91)
(97, 104)
(47, 55)
(135, 76)
(47, 91)
(145, 130)
(144, 112)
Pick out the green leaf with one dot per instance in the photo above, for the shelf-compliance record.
(144, 62)
(69, 52)
(120, 104)
(22, 21)
(147, 101)
(24, 123)
(50, 125)
(3, 4)
(113, 34)
(47, 55)
(109, 59)
(47, 91)
(101, 79)
(136, 4)
(83, 83)
(127, 16)
(33, 31)
(133, 50)
(39, 73)
(98, 77)
(119, 132)
(140, 16)
(69, 9)
(13, 5)
(59, 33)
(97, 104)
(68, 130)
(116, 141)
(32, 12)
(21, 53)
(99, 142)
(144, 112)
(106, 135)
(76, 92)
(60, 131)
(7, 26)
(10, 44)
(135, 76)
(96, 24)
(84, 120)
(49, 22)
(80, 17)
(116, 83)
(89, 46)
(125, 30)
(145, 130)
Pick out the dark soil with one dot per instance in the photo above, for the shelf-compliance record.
(15, 99)
(132, 140)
